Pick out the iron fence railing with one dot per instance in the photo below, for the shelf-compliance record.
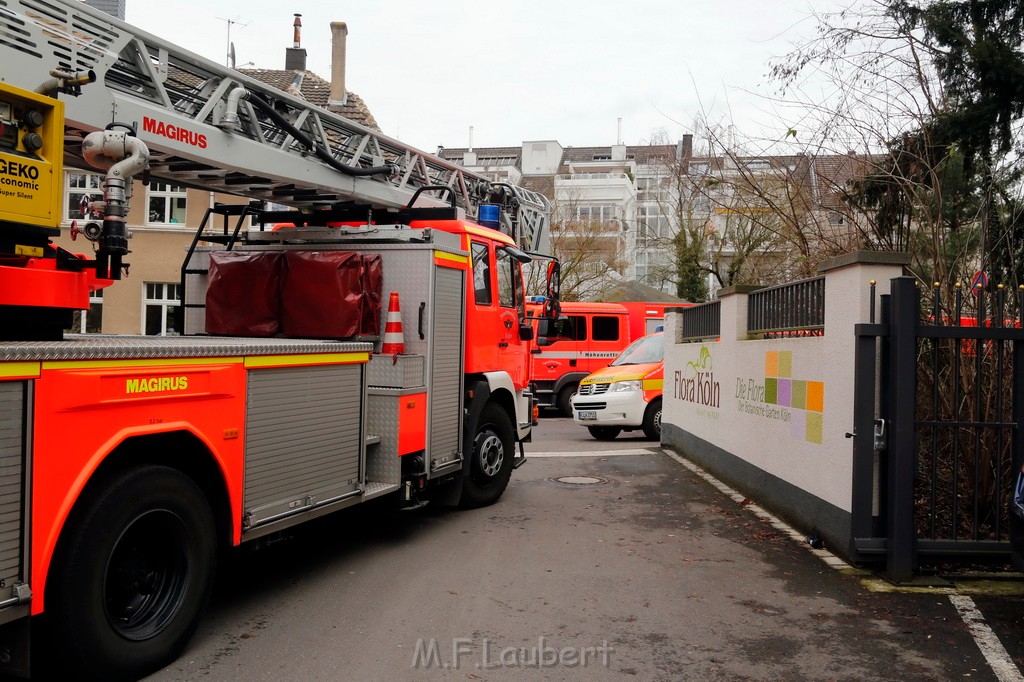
(967, 413)
(794, 309)
(702, 321)
(938, 409)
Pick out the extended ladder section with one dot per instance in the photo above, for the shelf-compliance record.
(212, 127)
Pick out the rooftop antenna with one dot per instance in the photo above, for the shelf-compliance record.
(231, 46)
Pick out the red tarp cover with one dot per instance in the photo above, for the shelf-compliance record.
(322, 294)
(373, 291)
(329, 294)
(244, 293)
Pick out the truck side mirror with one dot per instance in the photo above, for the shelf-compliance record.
(554, 279)
(544, 341)
(525, 332)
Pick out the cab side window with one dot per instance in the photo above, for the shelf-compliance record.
(579, 327)
(606, 328)
(482, 274)
(563, 329)
(509, 285)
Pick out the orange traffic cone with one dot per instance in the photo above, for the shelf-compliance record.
(394, 338)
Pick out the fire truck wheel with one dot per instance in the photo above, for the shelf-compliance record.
(564, 405)
(133, 575)
(491, 465)
(652, 420)
(604, 432)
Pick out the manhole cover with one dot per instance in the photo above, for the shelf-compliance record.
(579, 480)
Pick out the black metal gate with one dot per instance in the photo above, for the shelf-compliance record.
(939, 395)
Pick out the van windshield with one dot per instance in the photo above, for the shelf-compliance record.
(648, 349)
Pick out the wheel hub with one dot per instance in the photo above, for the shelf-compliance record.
(147, 575)
(491, 454)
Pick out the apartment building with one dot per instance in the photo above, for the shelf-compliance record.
(634, 200)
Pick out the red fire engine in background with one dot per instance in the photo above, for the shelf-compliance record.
(583, 339)
(129, 463)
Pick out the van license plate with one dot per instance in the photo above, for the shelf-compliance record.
(587, 414)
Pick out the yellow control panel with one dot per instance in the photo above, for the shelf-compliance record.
(31, 157)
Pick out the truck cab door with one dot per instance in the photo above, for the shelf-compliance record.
(559, 352)
(605, 339)
(513, 350)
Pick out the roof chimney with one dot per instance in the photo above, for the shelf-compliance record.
(339, 35)
(295, 57)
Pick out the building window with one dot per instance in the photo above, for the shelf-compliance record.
(80, 189)
(652, 189)
(161, 304)
(597, 212)
(835, 218)
(166, 203)
(653, 224)
(701, 203)
(89, 321)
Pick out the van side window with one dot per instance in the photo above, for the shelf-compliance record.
(482, 274)
(606, 328)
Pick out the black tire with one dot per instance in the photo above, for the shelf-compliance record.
(604, 432)
(564, 404)
(490, 464)
(132, 576)
(652, 420)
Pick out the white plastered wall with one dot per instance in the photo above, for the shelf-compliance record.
(781, 436)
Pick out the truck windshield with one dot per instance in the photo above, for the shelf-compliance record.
(648, 349)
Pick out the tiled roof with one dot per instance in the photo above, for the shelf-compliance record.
(834, 174)
(489, 152)
(315, 90)
(626, 291)
(485, 156)
(653, 154)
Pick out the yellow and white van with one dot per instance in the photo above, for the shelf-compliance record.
(625, 395)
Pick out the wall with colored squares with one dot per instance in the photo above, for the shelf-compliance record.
(806, 399)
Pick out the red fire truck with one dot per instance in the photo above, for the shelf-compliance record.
(130, 463)
(582, 340)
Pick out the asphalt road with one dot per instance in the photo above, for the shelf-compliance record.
(647, 573)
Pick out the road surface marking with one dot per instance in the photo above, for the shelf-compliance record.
(1000, 661)
(596, 453)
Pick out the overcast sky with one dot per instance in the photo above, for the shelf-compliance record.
(562, 70)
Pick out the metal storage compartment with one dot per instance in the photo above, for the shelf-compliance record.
(304, 439)
(432, 299)
(12, 494)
